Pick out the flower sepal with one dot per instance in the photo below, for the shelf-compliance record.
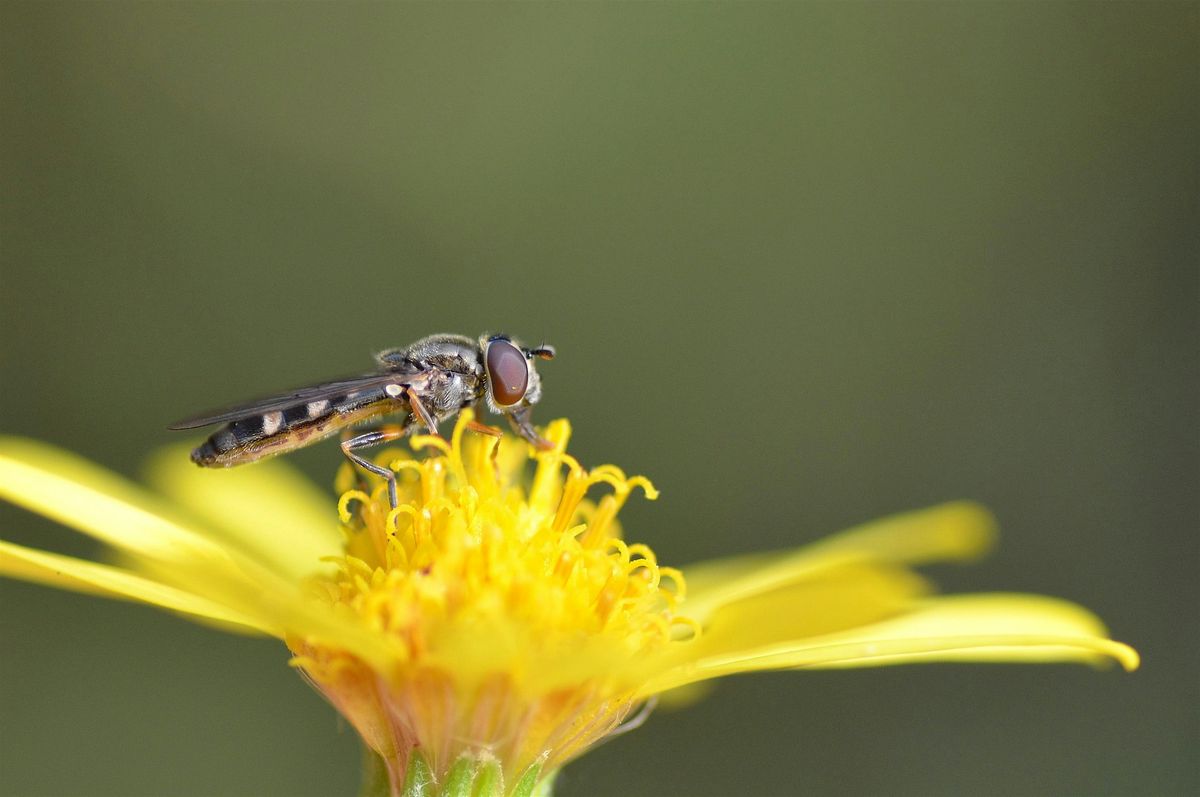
(469, 776)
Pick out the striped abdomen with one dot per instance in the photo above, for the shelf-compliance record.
(278, 431)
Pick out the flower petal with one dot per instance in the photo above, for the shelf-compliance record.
(64, 572)
(73, 491)
(837, 599)
(978, 628)
(954, 531)
(241, 503)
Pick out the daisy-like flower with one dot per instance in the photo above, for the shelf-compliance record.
(497, 625)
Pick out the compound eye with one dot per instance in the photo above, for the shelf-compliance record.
(507, 371)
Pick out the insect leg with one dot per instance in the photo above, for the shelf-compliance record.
(520, 421)
(483, 428)
(420, 412)
(368, 439)
(494, 432)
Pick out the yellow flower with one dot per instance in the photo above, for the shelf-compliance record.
(496, 625)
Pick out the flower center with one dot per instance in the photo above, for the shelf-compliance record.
(520, 622)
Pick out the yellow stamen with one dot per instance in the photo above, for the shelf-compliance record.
(486, 592)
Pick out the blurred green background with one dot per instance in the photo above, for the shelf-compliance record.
(805, 265)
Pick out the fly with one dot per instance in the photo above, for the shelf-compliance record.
(426, 383)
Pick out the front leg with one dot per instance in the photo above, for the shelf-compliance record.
(522, 425)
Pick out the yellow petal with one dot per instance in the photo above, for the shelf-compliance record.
(65, 572)
(73, 491)
(977, 628)
(953, 531)
(267, 509)
(837, 599)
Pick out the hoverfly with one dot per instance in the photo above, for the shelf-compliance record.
(428, 382)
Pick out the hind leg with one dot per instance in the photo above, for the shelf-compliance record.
(368, 440)
(417, 413)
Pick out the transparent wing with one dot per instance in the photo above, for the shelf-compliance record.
(326, 391)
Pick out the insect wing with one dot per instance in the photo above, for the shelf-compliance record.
(327, 391)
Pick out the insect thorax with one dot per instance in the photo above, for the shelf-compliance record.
(456, 353)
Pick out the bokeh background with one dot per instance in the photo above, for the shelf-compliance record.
(805, 265)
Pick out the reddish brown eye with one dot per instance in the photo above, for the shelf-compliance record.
(507, 371)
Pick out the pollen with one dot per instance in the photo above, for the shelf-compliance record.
(519, 623)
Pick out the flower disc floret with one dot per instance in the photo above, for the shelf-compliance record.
(518, 620)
